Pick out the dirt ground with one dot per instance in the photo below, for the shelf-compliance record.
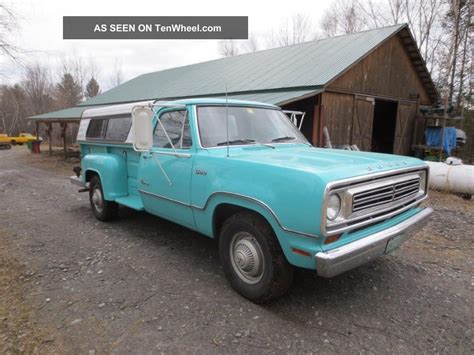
(70, 284)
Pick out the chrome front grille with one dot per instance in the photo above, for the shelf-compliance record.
(372, 198)
(391, 193)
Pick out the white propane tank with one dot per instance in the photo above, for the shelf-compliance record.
(452, 176)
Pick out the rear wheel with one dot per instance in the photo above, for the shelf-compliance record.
(252, 259)
(13, 142)
(103, 210)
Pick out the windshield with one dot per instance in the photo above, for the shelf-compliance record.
(247, 125)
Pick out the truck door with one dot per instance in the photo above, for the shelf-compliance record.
(165, 172)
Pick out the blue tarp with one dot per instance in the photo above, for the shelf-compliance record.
(433, 138)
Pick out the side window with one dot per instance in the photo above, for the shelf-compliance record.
(118, 128)
(176, 125)
(96, 128)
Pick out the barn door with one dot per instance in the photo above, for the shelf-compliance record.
(404, 128)
(362, 122)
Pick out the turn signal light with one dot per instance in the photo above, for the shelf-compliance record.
(332, 239)
(301, 252)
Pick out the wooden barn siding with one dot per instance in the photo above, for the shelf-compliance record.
(337, 115)
(405, 128)
(349, 119)
(388, 71)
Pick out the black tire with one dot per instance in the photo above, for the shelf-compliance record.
(276, 275)
(13, 142)
(103, 210)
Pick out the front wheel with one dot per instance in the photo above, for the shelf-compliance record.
(103, 210)
(252, 259)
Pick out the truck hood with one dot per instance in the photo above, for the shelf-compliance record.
(333, 163)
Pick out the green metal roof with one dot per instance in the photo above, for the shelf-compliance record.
(273, 97)
(276, 75)
(277, 98)
(304, 66)
(69, 114)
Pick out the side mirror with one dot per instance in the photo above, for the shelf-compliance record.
(142, 128)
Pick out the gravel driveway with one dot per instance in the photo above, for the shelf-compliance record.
(142, 284)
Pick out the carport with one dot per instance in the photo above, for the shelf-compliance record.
(63, 118)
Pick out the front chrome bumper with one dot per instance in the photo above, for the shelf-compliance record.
(349, 256)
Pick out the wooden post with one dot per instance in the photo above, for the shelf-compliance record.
(50, 140)
(316, 118)
(64, 128)
(321, 125)
(353, 118)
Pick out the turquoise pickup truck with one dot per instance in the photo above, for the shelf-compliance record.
(240, 172)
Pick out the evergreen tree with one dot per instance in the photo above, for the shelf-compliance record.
(92, 88)
(68, 91)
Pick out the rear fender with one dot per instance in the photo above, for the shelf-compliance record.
(112, 171)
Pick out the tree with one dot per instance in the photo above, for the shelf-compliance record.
(251, 45)
(293, 30)
(68, 92)
(424, 17)
(38, 88)
(228, 48)
(92, 88)
(117, 74)
(8, 25)
(343, 17)
(458, 22)
(13, 110)
(466, 62)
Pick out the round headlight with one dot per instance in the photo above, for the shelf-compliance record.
(334, 207)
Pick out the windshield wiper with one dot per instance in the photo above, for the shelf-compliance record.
(285, 138)
(249, 141)
(237, 141)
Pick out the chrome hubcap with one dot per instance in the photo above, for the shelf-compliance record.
(97, 200)
(247, 257)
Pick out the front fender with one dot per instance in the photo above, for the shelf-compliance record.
(112, 171)
(204, 217)
(293, 196)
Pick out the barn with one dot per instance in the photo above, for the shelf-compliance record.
(365, 88)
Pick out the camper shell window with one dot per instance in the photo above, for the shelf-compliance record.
(114, 128)
(96, 128)
(118, 128)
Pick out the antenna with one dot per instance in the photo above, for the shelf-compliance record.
(227, 119)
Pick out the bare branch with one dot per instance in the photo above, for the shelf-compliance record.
(228, 48)
(251, 45)
(8, 25)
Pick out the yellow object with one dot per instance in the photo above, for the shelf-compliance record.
(20, 139)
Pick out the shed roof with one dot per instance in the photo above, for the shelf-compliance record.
(278, 97)
(276, 75)
(72, 114)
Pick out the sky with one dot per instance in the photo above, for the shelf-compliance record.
(40, 34)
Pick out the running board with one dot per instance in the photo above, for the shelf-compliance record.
(134, 202)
